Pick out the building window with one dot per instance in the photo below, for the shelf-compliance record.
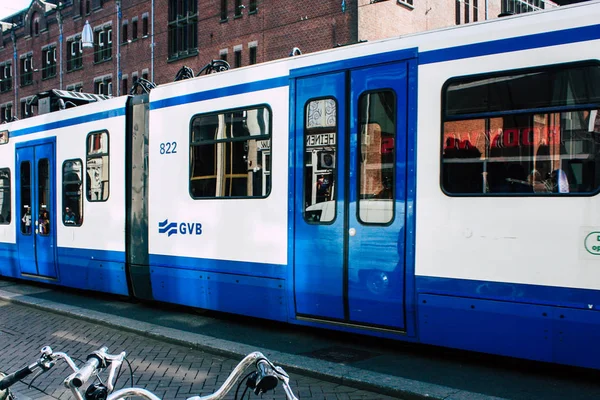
(231, 154)
(144, 25)
(5, 77)
(223, 10)
(145, 74)
(134, 28)
(26, 108)
(529, 132)
(124, 32)
(223, 55)
(103, 44)
(252, 8)
(252, 55)
(103, 86)
(5, 209)
(238, 9)
(521, 6)
(48, 62)
(407, 2)
(27, 70)
(77, 87)
(124, 85)
(457, 12)
(320, 146)
(97, 166)
(6, 112)
(74, 54)
(73, 192)
(238, 58)
(475, 11)
(183, 28)
(467, 11)
(35, 25)
(88, 7)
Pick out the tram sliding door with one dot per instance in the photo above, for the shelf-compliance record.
(36, 233)
(350, 185)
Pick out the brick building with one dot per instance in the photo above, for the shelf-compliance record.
(40, 47)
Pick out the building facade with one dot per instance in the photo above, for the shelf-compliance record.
(41, 47)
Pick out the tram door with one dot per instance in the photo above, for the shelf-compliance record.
(36, 232)
(350, 196)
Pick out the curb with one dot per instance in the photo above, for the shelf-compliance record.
(321, 369)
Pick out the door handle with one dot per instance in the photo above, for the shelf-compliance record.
(352, 232)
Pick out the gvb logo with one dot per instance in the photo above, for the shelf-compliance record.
(183, 228)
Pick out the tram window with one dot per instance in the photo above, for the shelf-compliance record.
(320, 147)
(97, 166)
(72, 192)
(25, 189)
(43, 222)
(5, 211)
(230, 154)
(376, 149)
(529, 133)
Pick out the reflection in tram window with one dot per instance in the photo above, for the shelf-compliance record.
(5, 196)
(230, 154)
(43, 221)
(320, 135)
(97, 166)
(494, 144)
(72, 193)
(377, 152)
(25, 206)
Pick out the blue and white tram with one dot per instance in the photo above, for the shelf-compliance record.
(439, 188)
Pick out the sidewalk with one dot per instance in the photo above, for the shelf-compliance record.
(402, 370)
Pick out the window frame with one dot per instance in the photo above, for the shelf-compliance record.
(76, 225)
(213, 142)
(528, 111)
(305, 148)
(10, 189)
(87, 158)
(6, 77)
(358, 157)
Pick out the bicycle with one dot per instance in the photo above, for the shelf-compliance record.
(43, 364)
(263, 379)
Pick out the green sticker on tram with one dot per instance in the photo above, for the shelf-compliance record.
(592, 243)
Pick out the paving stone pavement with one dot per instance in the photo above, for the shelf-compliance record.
(170, 371)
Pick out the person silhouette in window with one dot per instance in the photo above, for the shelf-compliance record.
(44, 223)
(26, 220)
(69, 216)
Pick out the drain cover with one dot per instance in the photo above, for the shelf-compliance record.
(341, 355)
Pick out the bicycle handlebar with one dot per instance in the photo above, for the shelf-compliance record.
(13, 378)
(264, 379)
(44, 363)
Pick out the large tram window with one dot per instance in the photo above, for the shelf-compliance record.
(5, 196)
(376, 149)
(320, 146)
(530, 133)
(25, 189)
(43, 221)
(97, 166)
(230, 154)
(72, 192)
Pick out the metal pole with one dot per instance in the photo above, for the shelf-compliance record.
(152, 42)
(486, 10)
(118, 40)
(13, 36)
(60, 46)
